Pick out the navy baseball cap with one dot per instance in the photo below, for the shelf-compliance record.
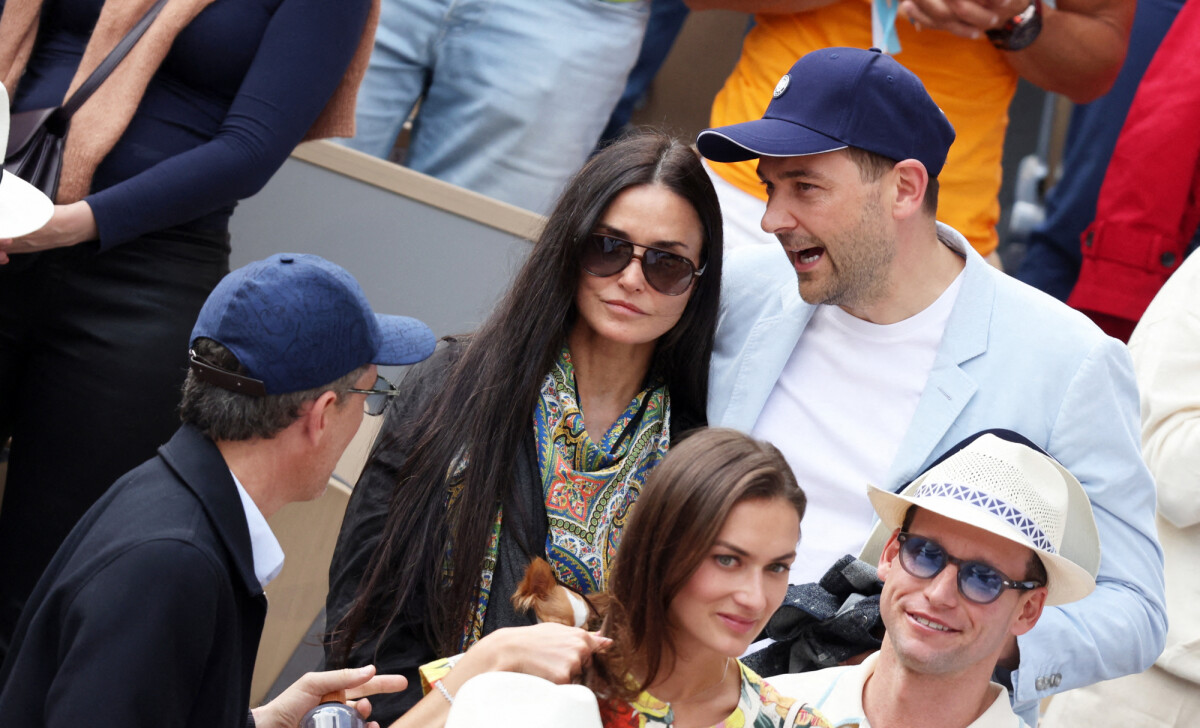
(835, 98)
(296, 322)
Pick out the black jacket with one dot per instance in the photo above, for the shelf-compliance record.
(404, 648)
(150, 613)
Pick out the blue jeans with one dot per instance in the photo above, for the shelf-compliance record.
(666, 20)
(514, 93)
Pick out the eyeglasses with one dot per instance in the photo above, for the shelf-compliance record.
(925, 558)
(378, 398)
(667, 273)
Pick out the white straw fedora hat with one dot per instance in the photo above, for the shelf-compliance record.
(1000, 482)
(23, 207)
(511, 698)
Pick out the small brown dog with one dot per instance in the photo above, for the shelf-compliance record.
(550, 601)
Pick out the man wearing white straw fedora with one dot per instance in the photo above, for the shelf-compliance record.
(23, 207)
(969, 554)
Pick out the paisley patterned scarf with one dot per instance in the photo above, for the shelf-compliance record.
(588, 486)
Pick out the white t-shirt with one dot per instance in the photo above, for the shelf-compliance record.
(838, 413)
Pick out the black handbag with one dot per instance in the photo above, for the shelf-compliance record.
(36, 137)
(35, 147)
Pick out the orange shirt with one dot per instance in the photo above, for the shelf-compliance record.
(968, 79)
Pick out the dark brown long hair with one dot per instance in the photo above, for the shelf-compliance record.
(485, 406)
(679, 515)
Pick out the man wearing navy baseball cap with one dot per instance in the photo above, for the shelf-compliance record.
(151, 611)
(877, 337)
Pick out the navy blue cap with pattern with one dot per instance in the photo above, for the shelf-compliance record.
(296, 322)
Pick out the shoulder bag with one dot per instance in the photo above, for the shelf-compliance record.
(35, 137)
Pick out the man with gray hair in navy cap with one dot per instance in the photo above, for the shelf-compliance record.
(876, 338)
(151, 611)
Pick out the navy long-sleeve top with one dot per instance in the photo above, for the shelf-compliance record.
(236, 93)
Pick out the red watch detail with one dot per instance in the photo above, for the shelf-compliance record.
(1021, 29)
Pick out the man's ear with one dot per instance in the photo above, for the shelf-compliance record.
(316, 418)
(1030, 611)
(910, 180)
(888, 556)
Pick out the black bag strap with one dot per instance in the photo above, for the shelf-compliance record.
(114, 57)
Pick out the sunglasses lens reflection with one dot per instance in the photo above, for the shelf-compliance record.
(979, 582)
(604, 256)
(922, 558)
(673, 273)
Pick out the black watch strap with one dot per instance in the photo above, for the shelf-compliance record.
(1020, 31)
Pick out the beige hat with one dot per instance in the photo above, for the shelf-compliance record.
(23, 207)
(1014, 490)
(511, 698)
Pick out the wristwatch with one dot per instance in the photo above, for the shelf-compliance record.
(1021, 29)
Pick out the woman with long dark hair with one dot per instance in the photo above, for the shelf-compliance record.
(533, 436)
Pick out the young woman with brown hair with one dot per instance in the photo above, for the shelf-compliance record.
(702, 566)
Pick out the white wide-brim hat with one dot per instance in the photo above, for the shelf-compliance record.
(23, 207)
(1011, 489)
(511, 698)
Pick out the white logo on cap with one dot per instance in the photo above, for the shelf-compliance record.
(781, 86)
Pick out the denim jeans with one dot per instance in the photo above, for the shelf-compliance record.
(666, 20)
(513, 93)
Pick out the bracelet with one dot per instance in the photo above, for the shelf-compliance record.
(445, 693)
(450, 663)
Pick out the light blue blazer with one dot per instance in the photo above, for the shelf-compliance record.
(1011, 357)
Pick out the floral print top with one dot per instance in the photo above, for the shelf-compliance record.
(759, 706)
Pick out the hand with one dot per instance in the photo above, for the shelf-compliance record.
(554, 652)
(69, 225)
(289, 708)
(964, 18)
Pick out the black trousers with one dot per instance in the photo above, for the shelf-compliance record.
(93, 351)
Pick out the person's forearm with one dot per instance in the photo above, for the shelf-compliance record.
(429, 712)
(1078, 54)
(69, 225)
(550, 651)
(759, 6)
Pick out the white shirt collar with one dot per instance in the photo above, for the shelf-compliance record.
(268, 554)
